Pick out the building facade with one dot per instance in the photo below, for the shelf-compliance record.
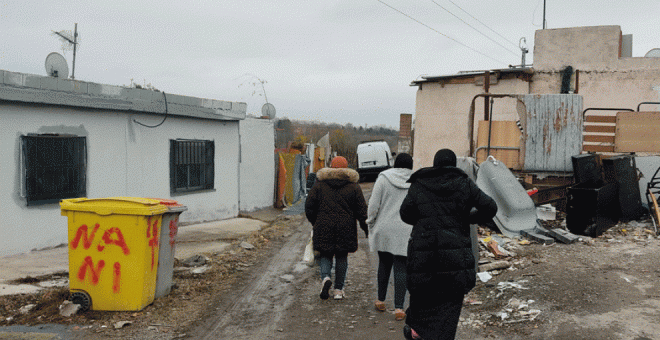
(594, 62)
(64, 138)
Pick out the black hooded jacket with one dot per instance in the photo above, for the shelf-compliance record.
(439, 205)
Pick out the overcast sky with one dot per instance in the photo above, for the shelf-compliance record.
(333, 61)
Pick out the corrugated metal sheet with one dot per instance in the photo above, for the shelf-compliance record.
(553, 131)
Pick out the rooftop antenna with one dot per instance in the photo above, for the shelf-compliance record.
(544, 22)
(522, 44)
(70, 41)
(56, 66)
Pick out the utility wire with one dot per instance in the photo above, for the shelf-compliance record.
(159, 124)
(489, 38)
(446, 36)
(509, 41)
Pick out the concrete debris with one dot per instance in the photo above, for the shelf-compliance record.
(27, 308)
(247, 245)
(122, 324)
(546, 212)
(68, 308)
(195, 261)
(534, 236)
(288, 278)
(494, 266)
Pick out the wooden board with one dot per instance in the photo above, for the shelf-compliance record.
(656, 210)
(503, 133)
(637, 132)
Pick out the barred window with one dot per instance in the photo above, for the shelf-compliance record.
(191, 165)
(54, 167)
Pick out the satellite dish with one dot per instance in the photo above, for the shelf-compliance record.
(654, 53)
(268, 110)
(56, 66)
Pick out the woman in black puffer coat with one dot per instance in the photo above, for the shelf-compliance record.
(440, 267)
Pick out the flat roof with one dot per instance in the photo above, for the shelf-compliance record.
(30, 88)
(468, 74)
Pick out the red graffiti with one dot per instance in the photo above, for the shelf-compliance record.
(174, 228)
(87, 238)
(152, 234)
(116, 279)
(96, 272)
(120, 241)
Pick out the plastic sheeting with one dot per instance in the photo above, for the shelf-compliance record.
(293, 183)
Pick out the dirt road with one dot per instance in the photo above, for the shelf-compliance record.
(604, 288)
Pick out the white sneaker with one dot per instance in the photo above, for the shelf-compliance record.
(325, 290)
(339, 294)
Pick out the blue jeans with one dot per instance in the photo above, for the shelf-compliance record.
(341, 267)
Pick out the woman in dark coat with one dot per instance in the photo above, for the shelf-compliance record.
(441, 266)
(334, 206)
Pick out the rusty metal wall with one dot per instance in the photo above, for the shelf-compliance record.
(552, 131)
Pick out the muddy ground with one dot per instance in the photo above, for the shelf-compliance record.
(601, 288)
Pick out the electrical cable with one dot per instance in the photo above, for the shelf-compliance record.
(446, 36)
(474, 28)
(159, 124)
(492, 30)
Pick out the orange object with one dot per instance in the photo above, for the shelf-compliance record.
(281, 183)
(339, 162)
(493, 248)
(656, 209)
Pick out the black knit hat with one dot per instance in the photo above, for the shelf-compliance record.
(403, 160)
(444, 157)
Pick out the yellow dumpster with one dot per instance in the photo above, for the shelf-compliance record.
(113, 251)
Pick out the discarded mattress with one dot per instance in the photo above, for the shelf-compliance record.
(516, 211)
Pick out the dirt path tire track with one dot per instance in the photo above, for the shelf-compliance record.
(254, 311)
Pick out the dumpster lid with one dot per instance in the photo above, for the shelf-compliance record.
(173, 205)
(115, 205)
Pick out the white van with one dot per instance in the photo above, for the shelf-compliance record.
(373, 157)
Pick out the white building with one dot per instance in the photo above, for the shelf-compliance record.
(67, 138)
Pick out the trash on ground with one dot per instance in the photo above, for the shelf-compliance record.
(247, 245)
(122, 324)
(287, 278)
(546, 212)
(494, 266)
(27, 308)
(195, 261)
(68, 308)
(200, 270)
(484, 276)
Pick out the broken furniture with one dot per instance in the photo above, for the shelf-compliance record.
(653, 188)
(516, 211)
(592, 205)
(622, 171)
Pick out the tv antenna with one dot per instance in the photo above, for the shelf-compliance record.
(69, 41)
(522, 44)
(56, 66)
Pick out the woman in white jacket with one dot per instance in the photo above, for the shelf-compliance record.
(388, 235)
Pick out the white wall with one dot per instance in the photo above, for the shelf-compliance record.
(257, 176)
(124, 159)
(441, 116)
